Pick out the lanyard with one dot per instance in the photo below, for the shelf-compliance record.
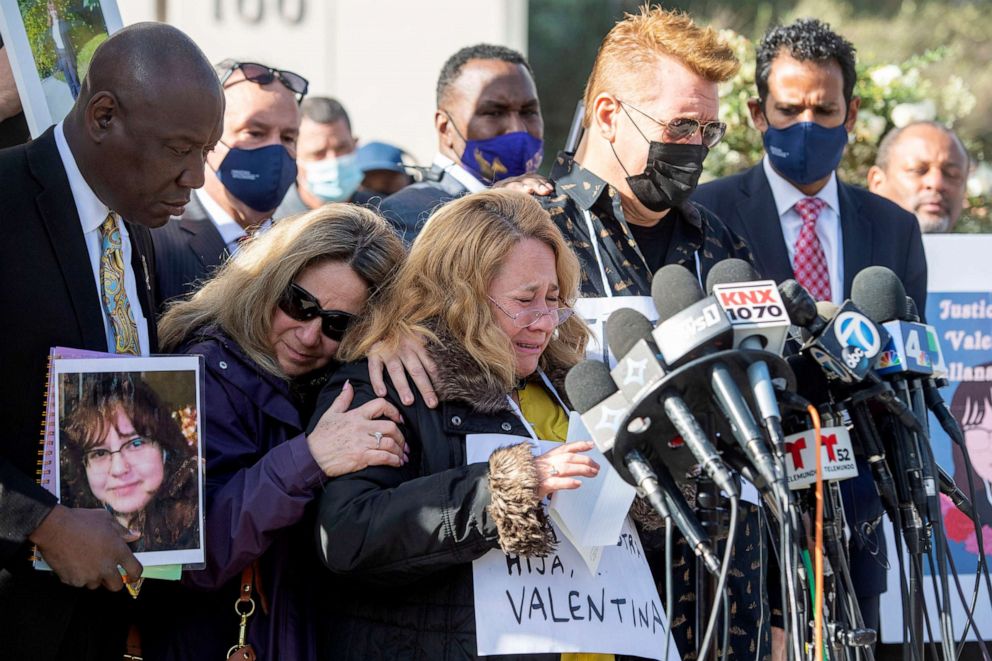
(594, 240)
(520, 414)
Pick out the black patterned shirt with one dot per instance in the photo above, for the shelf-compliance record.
(699, 239)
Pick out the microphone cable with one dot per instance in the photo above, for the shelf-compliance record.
(721, 585)
(818, 541)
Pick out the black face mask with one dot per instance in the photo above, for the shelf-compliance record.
(670, 176)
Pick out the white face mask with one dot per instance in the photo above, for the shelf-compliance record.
(334, 179)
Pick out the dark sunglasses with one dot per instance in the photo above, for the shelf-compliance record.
(301, 305)
(682, 129)
(263, 75)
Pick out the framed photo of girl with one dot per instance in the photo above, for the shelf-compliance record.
(50, 44)
(128, 438)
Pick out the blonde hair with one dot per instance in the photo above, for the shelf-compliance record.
(242, 297)
(444, 284)
(635, 43)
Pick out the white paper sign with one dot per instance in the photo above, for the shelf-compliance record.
(554, 604)
(595, 312)
(591, 517)
(836, 451)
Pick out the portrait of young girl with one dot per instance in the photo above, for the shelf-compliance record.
(123, 449)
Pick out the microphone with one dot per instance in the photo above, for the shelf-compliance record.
(692, 325)
(696, 330)
(628, 334)
(664, 495)
(595, 396)
(757, 314)
(593, 393)
(881, 294)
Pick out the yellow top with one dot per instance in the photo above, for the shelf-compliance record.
(550, 423)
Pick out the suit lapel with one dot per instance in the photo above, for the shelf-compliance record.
(856, 236)
(204, 239)
(61, 221)
(143, 264)
(759, 216)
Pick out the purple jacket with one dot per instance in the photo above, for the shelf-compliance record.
(260, 502)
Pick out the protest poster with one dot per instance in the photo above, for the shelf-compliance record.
(50, 44)
(555, 604)
(959, 306)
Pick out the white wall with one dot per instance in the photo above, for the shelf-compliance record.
(380, 58)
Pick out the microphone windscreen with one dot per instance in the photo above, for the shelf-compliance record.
(826, 310)
(728, 271)
(588, 383)
(624, 328)
(879, 294)
(912, 312)
(673, 289)
(799, 305)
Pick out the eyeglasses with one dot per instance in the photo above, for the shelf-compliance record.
(526, 318)
(301, 305)
(263, 75)
(137, 449)
(978, 438)
(682, 129)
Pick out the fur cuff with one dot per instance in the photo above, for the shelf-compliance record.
(644, 515)
(520, 520)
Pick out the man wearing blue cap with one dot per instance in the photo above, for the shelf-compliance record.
(382, 165)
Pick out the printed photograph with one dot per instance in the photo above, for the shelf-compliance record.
(51, 44)
(129, 442)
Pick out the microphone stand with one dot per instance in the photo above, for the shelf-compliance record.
(711, 516)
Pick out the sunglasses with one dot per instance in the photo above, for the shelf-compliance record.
(682, 129)
(301, 305)
(263, 75)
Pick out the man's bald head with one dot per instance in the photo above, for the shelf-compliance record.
(923, 167)
(149, 110)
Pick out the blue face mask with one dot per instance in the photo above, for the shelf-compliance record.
(258, 177)
(805, 152)
(507, 155)
(334, 179)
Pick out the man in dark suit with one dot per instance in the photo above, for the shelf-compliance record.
(802, 222)
(805, 108)
(124, 159)
(246, 177)
(489, 129)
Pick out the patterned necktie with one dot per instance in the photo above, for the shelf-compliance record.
(808, 262)
(112, 288)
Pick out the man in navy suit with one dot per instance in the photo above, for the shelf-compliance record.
(802, 222)
(805, 108)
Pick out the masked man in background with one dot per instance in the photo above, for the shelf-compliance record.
(247, 176)
(489, 130)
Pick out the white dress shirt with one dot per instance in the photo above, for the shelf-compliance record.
(92, 212)
(827, 225)
(461, 175)
(230, 231)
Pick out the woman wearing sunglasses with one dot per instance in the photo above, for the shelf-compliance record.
(269, 324)
(489, 282)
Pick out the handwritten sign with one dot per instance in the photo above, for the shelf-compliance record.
(527, 605)
(595, 312)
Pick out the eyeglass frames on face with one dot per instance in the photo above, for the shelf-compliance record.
(301, 305)
(263, 75)
(526, 318)
(136, 449)
(682, 129)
